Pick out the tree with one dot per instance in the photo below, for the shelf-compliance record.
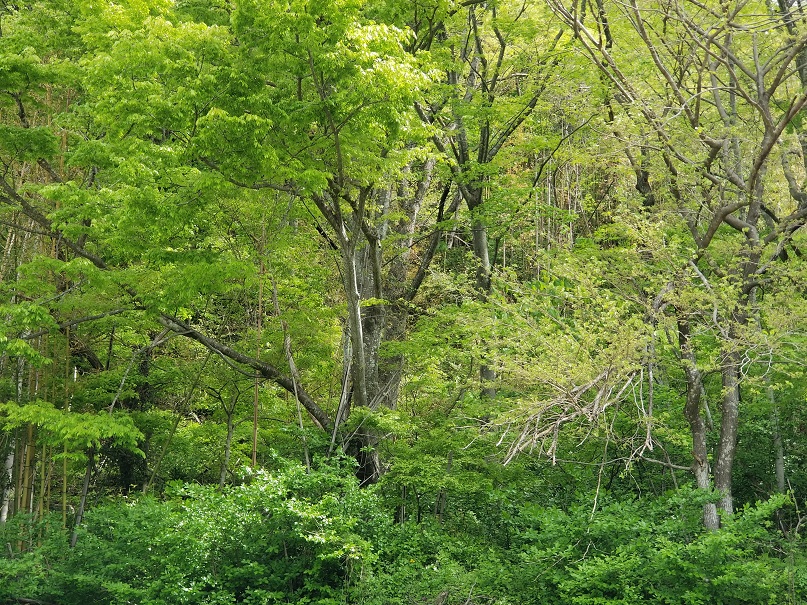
(713, 123)
(494, 81)
(289, 116)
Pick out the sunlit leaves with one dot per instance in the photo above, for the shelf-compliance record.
(75, 430)
(338, 87)
(19, 321)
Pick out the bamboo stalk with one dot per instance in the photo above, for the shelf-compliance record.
(40, 505)
(65, 406)
(259, 328)
(28, 471)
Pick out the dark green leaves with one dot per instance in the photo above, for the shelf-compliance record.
(27, 144)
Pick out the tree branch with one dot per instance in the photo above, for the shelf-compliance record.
(266, 370)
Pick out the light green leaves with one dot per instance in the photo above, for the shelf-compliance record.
(21, 319)
(74, 430)
(337, 87)
(239, 145)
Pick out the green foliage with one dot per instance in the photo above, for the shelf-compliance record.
(671, 562)
(203, 160)
(20, 320)
(75, 430)
(648, 551)
(26, 144)
(279, 537)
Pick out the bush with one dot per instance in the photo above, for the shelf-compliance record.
(279, 537)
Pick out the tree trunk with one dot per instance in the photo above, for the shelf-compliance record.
(697, 424)
(362, 443)
(27, 487)
(355, 326)
(225, 464)
(728, 430)
(82, 503)
(7, 482)
(778, 447)
(373, 320)
(487, 375)
(480, 245)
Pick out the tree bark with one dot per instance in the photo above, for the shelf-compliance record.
(225, 464)
(778, 447)
(355, 326)
(480, 245)
(82, 503)
(697, 424)
(487, 375)
(7, 482)
(728, 430)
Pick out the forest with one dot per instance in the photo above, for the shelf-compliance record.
(403, 302)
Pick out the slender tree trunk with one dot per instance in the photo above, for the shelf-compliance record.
(487, 375)
(157, 463)
(19, 472)
(28, 471)
(64, 486)
(697, 424)
(373, 320)
(343, 409)
(728, 430)
(40, 502)
(225, 464)
(355, 328)
(7, 481)
(82, 503)
(259, 328)
(65, 406)
(778, 447)
(402, 509)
